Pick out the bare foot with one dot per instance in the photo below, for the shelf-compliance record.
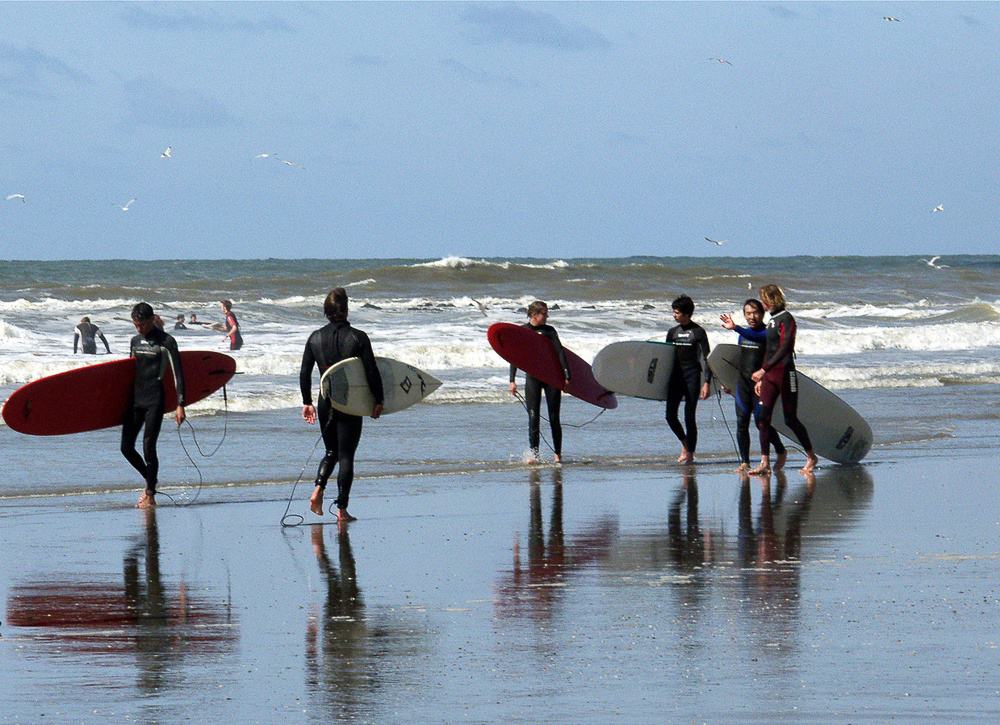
(343, 517)
(557, 458)
(780, 462)
(147, 500)
(743, 468)
(762, 470)
(811, 462)
(316, 501)
(686, 458)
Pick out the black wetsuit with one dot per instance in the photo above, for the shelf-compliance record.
(87, 333)
(689, 373)
(156, 356)
(752, 345)
(780, 379)
(533, 388)
(341, 432)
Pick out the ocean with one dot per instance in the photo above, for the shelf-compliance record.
(923, 339)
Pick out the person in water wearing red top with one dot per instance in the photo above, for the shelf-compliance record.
(232, 327)
(777, 377)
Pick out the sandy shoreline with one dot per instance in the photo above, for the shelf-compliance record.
(576, 592)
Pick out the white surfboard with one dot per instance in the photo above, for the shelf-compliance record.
(837, 431)
(640, 369)
(402, 384)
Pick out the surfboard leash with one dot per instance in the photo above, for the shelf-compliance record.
(286, 518)
(194, 437)
(548, 445)
(718, 398)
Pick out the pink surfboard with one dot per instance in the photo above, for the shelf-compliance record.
(95, 396)
(536, 355)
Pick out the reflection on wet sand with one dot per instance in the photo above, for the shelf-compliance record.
(532, 588)
(348, 657)
(140, 615)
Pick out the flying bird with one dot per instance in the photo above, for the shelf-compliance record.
(723, 61)
(167, 153)
(16, 197)
(890, 19)
(294, 165)
(716, 242)
(939, 207)
(263, 156)
(932, 262)
(482, 307)
(127, 204)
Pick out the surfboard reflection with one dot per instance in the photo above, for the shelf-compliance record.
(536, 582)
(140, 615)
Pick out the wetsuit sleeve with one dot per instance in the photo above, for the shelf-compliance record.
(371, 368)
(513, 373)
(76, 339)
(752, 334)
(786, 343)
(561, 353)
(703, 350)
(103, 339)
(305, 373)
(174, 356)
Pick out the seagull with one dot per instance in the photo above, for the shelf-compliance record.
(721, 60)
(939, 207)
(16, 197)
(127, 204)
(716, 242)
(482, 306)
(168, 153)
(294, 165)
(932, 262)
(890, 19)
(263, 156)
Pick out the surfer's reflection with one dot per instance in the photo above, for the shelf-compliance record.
(538, 578)
(149, 619)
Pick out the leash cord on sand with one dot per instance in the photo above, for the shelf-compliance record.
(194, 437)
(286, 518)
(718, 397)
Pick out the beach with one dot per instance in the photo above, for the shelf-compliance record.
(478, 587)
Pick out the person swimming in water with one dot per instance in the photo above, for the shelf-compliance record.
(753, 339)
(777, 377)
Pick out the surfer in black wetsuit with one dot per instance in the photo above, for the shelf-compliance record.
(777, 377)
(341, 432)
(690, 377)
(752, 342)
(87, 334)
(156, 356)
(538, 313)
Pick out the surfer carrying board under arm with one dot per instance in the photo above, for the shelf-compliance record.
(538, 314)
(341, 432)
(753, 340)
(777, 377)
(156, 355)
(690, 378)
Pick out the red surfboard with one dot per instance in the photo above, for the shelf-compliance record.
(95, 396)
(536, 355)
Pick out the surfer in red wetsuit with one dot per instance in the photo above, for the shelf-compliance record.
(341, 432)
(232, 326)
(538, 314)
(156, 355)
(776, 377)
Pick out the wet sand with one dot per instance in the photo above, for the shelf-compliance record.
(582, 593)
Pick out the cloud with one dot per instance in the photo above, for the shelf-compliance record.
(141, 18)
(151, 102)
(507, 22)
(30, 73)
(482, 77)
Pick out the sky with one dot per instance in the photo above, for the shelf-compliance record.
(550, 130)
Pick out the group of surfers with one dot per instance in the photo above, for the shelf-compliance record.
(766, 363)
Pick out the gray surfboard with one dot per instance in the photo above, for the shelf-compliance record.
(402, 384)
(640, 369)
(837, 431)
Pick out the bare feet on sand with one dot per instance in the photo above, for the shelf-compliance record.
(780, 462)
(147, 500)
(743, 468)
(316, 501)
(343, 517)
(811, 462)
(763, 469)
(557, 458)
